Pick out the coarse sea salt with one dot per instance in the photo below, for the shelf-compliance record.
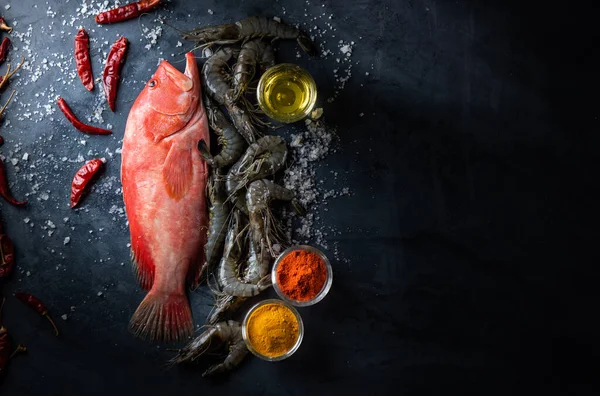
(308, 148)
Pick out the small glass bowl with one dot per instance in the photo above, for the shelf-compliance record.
(299, 74)
(300, 330)
(323, 291)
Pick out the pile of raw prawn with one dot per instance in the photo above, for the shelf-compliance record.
(244, 236)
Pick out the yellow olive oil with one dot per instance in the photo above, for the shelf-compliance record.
(287, 93)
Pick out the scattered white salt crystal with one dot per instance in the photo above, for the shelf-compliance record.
(317, 113)
(28, 273)
(276, 19)
(64, 317)
(179, 44)
(100, 294)
(7, 7)
(72, 308)
(14, 161)
(210, 11)
(67, 240)
(26, 220)
(361, 114)
(44, 196)
(25, 156)
(50, 224)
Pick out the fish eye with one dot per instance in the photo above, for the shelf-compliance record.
(152, 83)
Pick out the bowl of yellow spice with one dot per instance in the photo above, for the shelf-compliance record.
(273, 330)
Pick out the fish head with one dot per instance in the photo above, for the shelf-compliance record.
(171, 98)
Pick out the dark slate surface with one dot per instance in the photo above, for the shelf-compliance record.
(474, 182)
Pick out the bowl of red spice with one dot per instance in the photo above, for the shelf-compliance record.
(302, 275)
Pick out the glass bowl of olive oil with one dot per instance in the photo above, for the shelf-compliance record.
(286, 93)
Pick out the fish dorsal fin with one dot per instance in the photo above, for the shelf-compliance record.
(178, 171)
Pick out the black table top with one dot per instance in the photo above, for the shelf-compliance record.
(461, 247)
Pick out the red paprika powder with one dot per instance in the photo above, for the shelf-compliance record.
(301, 275)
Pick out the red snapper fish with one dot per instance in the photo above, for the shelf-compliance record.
(164, 188)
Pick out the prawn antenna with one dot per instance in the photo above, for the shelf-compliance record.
(162, 20)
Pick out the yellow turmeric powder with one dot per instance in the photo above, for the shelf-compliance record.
(272, 329)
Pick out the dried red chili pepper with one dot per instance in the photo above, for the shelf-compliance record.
(4, 49)
(112, 70)
(82, 59)
(7, 256)
(5, 189)
(128, 11)
(83, 177)
(34, 303)
(90, 130)
(4, 26)
(6, 345)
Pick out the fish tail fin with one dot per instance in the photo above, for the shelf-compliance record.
(162, 317)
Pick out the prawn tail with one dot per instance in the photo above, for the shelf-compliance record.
(162, 317)
(307, 44)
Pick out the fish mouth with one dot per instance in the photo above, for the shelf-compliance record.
(191, 68)
(182, 87)
(181, 80)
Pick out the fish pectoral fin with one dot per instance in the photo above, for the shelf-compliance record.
(178, 172)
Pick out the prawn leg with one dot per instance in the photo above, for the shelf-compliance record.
(228, 275)
(223, 307)
(231, 142)
(263, 158)
(229, 332)
(265, 231)
(217, 226)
